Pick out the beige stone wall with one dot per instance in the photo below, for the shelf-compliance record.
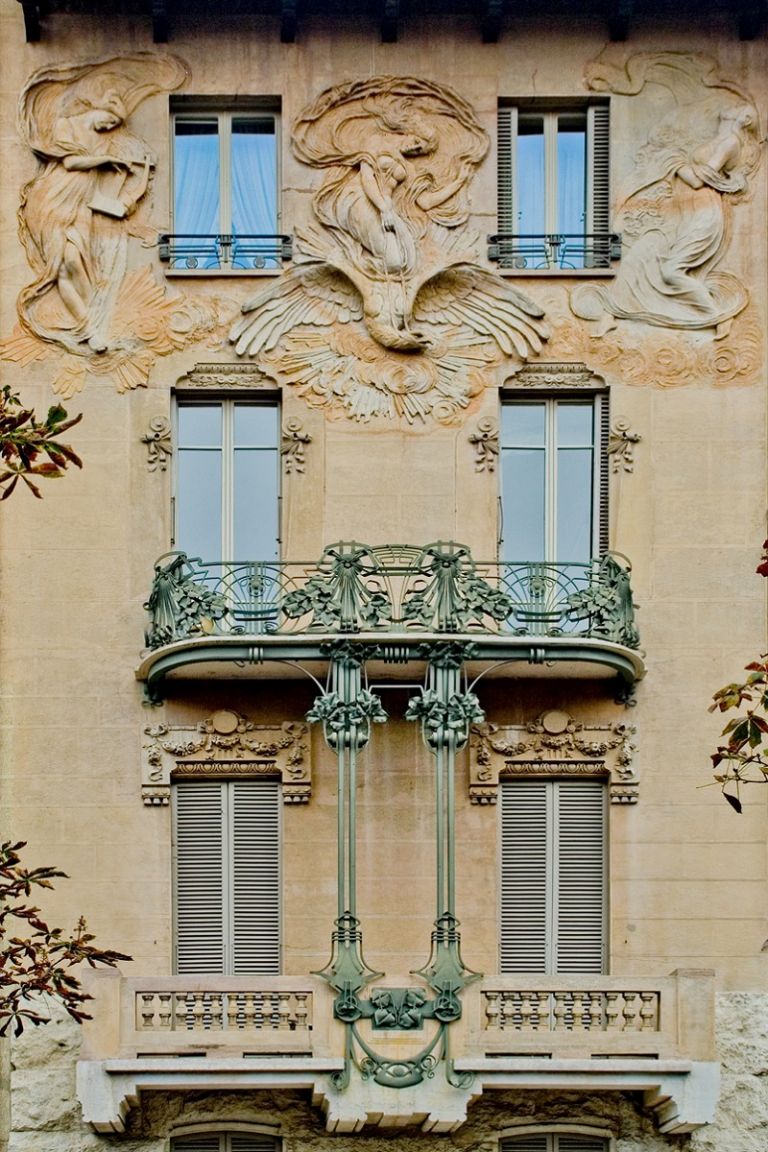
(688, 876)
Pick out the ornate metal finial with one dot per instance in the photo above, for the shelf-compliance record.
(158, 442)
(620, 446)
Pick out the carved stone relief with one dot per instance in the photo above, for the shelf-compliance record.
(88, 196)
(293, 442)
(216, 375)
(642, 357)
(386, 312)
(486, 442)
(621, 445)
(226, 744)
(158, 442)
(702, 148)
(554, 744)
(551, 376)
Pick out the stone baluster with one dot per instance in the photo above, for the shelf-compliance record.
(491, 1009)
(611, 1011)
(629, 1012)
(579, 1024)
(541, 1021)
(525, 1011)
(146, 1010)
(507, 1010)
(596, 1022)
(560, 1010)
(302, 1011)
(284, 1011)
(648, 1011)
(216, 1003)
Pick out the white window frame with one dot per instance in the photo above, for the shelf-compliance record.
(229, 866)
(224, 111)
(597, 178)
(228, 405)
(600, 482)
(552, 817)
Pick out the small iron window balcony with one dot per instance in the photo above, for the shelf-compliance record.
(554, 251)
(224, 251)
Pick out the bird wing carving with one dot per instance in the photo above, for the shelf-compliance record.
(470, 296)
(310, 294)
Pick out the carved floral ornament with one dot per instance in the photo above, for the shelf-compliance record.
(554, 744)
(81, 211)
(386, 312)
(225, 745)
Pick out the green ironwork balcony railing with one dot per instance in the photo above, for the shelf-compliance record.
(555, 251)
(355, 588)
(230, 251)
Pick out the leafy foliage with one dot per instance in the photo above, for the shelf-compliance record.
(743, 757)
(39, 962)
(29, 447)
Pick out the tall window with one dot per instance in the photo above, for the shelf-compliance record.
(553, 876)
(554, 479)
(224, 184)
(553, 186)
(227, 876)
(554, 1142)
(227, 480)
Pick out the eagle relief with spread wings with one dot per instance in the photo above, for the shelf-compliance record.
(386, 313)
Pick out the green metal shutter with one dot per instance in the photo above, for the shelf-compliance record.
(553, 876)
(552, 1142)
(582, 1144)
(256, 1142)
(226, 1142)
(209, 1142)
(531, 1142)
(200, 881)
(255, 821)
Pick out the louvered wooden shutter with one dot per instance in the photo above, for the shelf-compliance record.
(553, 871)
(227, 876)
(598, 178)
(553, 1142)
(255, 821)
(226, 1142)
(507, 132)
(200, 881)
(579, 911)
(525, 837)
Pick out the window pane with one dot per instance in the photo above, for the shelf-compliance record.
(523, 498)
(571, 173)
(255, 504)
(574, 425)
(255, 426)
(530, 175)
(574, 505)
(197, 207)
(200, 425)
(198, 503)
(523, 425)
(254, 175)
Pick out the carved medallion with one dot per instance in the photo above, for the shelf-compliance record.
(386, 312)
(226, 744)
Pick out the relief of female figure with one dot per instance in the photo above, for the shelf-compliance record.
(675, 226)
(70, 219)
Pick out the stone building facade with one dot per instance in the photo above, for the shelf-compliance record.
(359, 681)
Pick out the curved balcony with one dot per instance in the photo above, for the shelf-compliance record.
(397, 599)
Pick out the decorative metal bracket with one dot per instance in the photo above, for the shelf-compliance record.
(226, 745)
